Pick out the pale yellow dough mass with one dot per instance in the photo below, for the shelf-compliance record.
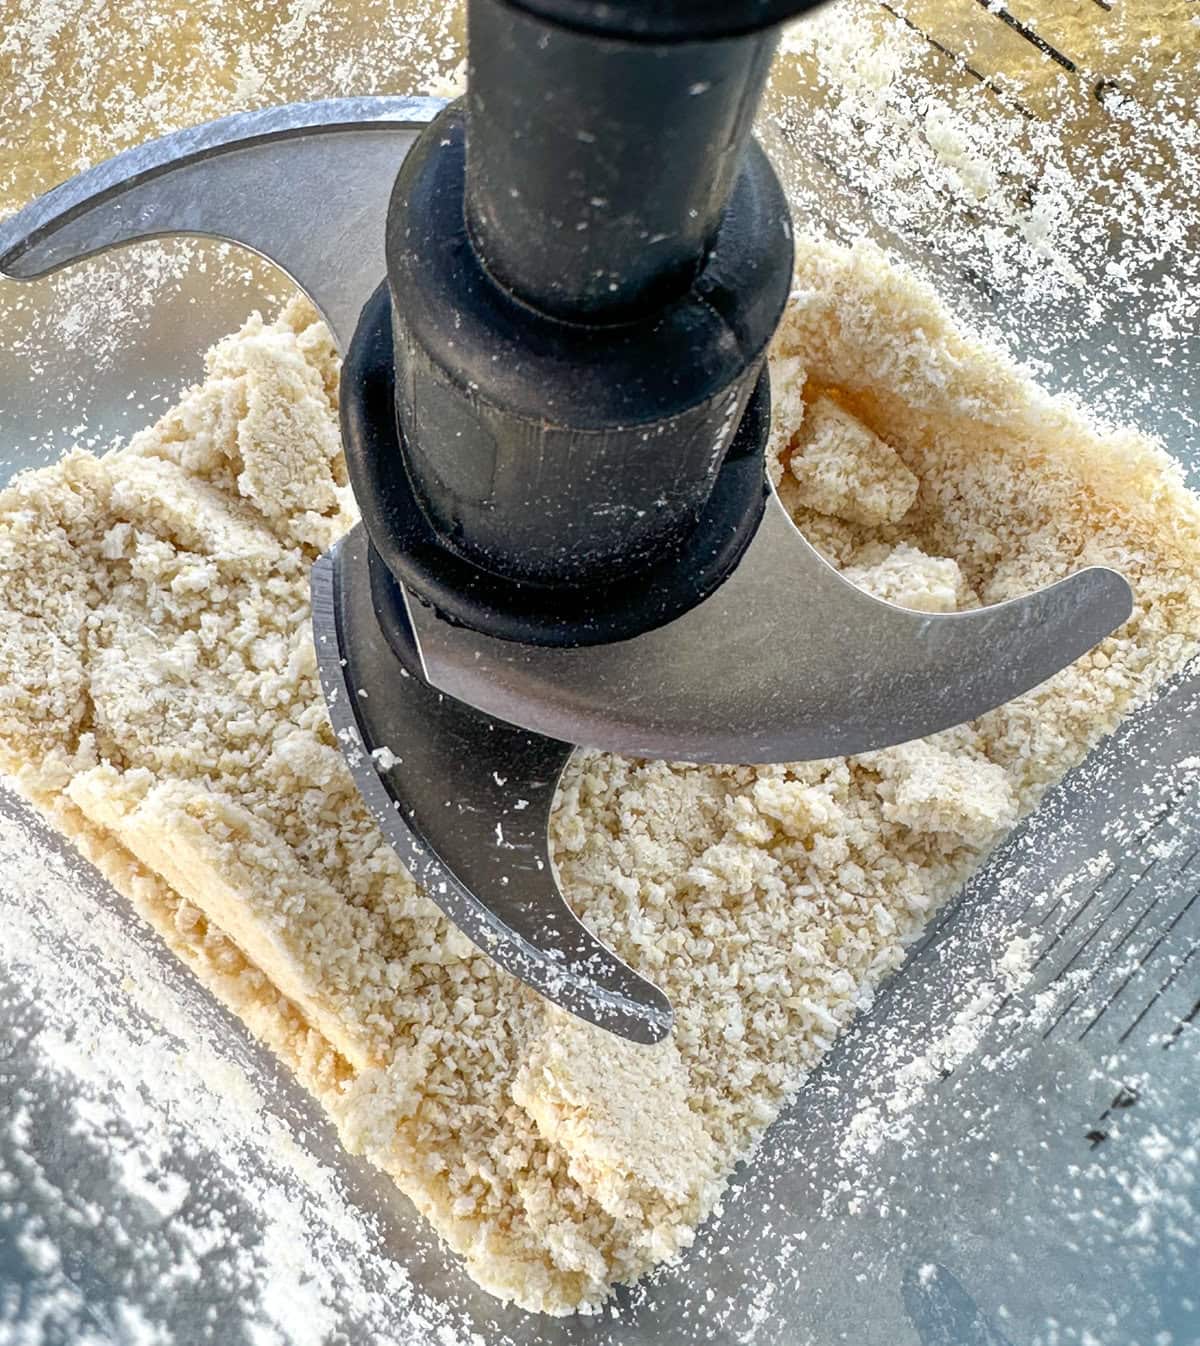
(159, 702)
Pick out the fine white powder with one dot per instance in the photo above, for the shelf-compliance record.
(153, 1095)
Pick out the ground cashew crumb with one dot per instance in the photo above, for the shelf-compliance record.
(845, 469)
(159, 703)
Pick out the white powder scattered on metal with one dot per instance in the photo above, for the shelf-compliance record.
(890, 1117)
(1070, 197)
(149, 1086)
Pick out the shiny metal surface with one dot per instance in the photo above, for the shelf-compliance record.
(775, 670)
(252, 178)
(466, 803)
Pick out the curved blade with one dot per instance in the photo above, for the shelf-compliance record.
(305, 185)
(466, 804)
(787, 661)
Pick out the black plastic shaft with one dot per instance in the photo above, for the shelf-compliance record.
(666, 20)
(587, 257)
(598, 167)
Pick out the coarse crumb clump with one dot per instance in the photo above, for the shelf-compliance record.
(845, 470)
(159, 702)
(911, 578)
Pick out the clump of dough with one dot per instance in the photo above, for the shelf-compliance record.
(787, 410)
(261, 428)
(844, 469)
(909, 578)
(929, 787)
(622, 1112)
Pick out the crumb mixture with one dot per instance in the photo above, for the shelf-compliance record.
(159, 702)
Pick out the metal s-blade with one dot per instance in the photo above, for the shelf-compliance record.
(786, 661)
(466, 802)
(305, 185)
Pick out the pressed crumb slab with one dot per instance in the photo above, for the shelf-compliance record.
(159, 703)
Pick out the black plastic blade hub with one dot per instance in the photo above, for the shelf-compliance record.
(408, 550)
(587, 258)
